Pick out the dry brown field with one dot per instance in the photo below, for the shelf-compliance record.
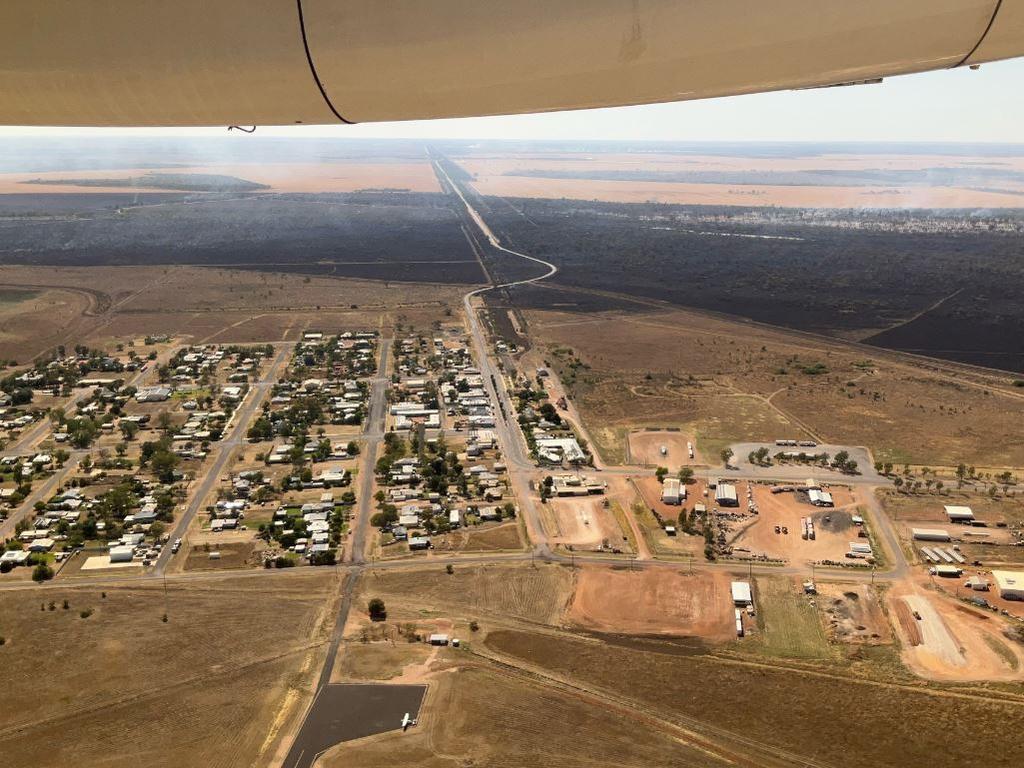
(279, 177)
(43, 317)
(726, 381)
(497, 165)
(495, 175)
(477, 715)
(233, 554)
(490, 538)
(853, 714)
(537, 593)
(390, 660)
(206, 688)
(105, 305)
(745, 195)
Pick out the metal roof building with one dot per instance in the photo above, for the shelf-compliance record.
(725, 495)
(930, 534)
(741, 593)
(958, 514)
(1010, 584)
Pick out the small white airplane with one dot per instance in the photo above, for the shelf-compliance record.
(407, 721)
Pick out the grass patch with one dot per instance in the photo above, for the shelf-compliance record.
(623, 522)
(1005, 653)
(789, 624)
(12, 296)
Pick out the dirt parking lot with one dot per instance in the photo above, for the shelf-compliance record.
(645, 449)
(654, 602)
(834, 529)
(584, 523)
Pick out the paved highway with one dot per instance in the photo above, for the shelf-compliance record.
(521, 467)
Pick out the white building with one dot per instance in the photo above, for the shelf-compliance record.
(820, 498)
(958, 514)
(930, 534)
(741, 593)
(122, 554)
(1010, 584)
(672, 491)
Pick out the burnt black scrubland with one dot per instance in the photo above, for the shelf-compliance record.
(394, 236)
(941, 283)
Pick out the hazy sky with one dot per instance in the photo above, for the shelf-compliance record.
(951, 105)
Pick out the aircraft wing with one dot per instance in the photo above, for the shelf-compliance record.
(276, 62)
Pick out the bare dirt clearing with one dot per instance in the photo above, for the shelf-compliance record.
(854, 614)
(946, 640)
(654, 602)
(832, 536)
(645, 448)
(583, 523)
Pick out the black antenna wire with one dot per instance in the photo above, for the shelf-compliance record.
(312, 66)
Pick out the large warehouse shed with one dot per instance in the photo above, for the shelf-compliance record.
(1010, 584)
(725, 495)
(958, 514)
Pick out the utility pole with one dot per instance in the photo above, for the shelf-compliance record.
(165, 598)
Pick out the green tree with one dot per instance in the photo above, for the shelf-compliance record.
(129, 429)
(377, 610)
